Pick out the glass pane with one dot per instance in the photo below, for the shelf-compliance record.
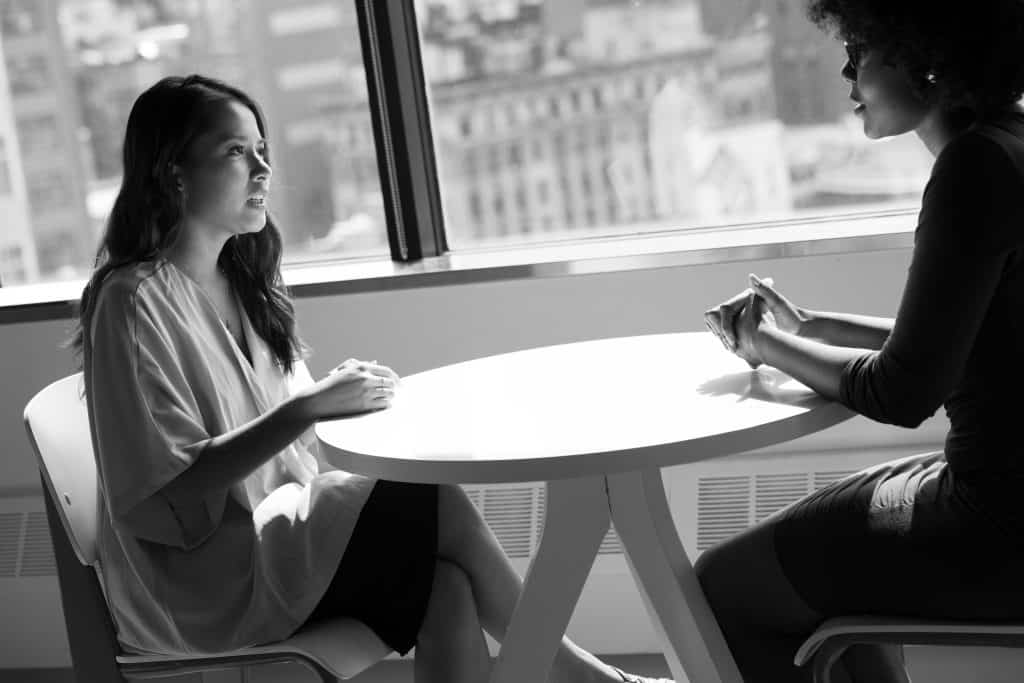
(558, 119)
(71, 69)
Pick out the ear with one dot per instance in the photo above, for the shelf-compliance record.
(177, 177)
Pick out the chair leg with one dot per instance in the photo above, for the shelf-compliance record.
(91, 635)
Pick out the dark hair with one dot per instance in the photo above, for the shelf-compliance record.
(973, 51)
(146, 215)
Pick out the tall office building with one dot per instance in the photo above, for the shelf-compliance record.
(18, 263)
(806, 63)
(45, 115)
(306, 56)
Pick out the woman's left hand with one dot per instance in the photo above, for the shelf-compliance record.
(749, 322)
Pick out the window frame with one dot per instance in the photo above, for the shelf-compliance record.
(400, 112)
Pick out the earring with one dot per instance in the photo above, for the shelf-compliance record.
(930, 77)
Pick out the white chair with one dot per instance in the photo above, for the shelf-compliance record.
(834, 636)
(58, 428)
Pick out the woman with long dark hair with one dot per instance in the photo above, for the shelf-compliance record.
(939, 535)
(222, 527)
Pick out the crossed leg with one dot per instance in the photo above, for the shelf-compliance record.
(484, 591)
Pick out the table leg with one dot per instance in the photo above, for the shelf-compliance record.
(691, 640)
(576, 521)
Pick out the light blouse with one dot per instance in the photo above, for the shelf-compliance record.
(249, 563)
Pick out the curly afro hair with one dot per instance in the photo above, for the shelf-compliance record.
(975, 51)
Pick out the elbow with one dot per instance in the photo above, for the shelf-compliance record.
(909, 421)
(912, 414)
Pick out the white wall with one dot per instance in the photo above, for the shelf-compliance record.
(416, 329)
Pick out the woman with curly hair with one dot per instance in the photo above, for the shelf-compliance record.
(938, 535)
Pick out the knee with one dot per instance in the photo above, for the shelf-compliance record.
(726, 573)
(451, 601)
(458, 518)
(453, 589)
(711, 566)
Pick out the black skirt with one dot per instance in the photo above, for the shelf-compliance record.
(908, 538)
(385, 577)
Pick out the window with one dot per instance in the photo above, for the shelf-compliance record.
(75, 69)
(671, 106)
(28, 74)
(5, 170)
(644, 87)
(21, 17)
(48, 191)
(12, 266)
(38, 135)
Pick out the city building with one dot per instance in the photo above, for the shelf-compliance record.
(18, 263)
(304, 55)
(45, 113)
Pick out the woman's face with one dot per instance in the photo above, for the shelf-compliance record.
(885, 99)
(225, 175)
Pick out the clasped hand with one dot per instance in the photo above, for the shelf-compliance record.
(355, 386)
(737, 322)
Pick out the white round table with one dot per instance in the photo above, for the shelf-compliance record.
(596, 420)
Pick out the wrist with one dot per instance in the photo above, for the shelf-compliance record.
(762, 342)
(300, 408)
(807, 320)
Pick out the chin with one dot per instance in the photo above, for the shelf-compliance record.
(254, 226)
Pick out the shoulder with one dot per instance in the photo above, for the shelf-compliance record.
(984, 147)
(984, 164)
(127, 287)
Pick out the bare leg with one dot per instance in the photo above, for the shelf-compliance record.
(465, 539)
(450, 647)
(765, 621)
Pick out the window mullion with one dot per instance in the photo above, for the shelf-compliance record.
(401, 125)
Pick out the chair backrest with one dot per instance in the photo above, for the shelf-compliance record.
(57, 422)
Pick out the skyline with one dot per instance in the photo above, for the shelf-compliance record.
(766, 142)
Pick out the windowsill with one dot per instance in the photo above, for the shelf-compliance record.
(832, 235)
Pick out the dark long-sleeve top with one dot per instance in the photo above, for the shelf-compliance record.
(958, 336)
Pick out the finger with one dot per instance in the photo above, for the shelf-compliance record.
(348, 362)
(729, 316)
(718, 334)
(740, 299)
(763, 287)
(379, 383)
(384, 371)
(713, 320)
(736, 301)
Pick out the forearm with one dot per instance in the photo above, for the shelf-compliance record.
(230, 457)
(818, 365)
(846, 329)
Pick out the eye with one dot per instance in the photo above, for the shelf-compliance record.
(236, 150)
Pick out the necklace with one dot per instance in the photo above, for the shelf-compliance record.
(237, 335)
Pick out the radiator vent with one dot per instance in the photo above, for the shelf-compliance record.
(25, 547)
(727, 505)
(515, 513)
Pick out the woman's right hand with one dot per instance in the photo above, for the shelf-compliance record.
(721, 319)
(352, 387)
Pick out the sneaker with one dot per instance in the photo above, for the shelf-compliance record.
(633, 678)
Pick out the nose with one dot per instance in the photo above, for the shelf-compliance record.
(849, 72)
(261, 169)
